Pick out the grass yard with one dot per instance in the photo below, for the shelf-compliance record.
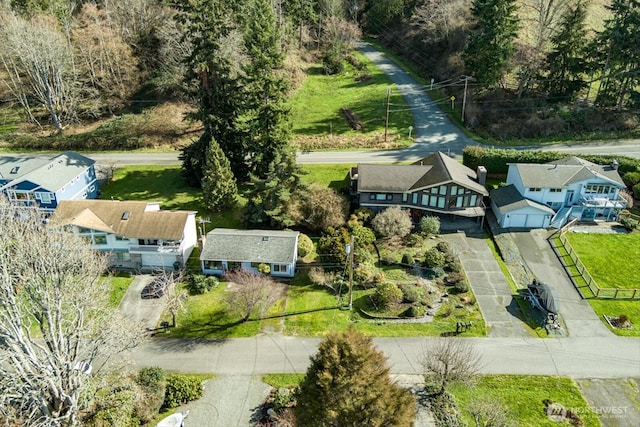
(282, 380)
(523, 396)
(119, 284)
(615, 308)
(316, 107)
(613, 260)
(332, 176)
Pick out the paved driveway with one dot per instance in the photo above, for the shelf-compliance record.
(495, 298)
(145, 311)
(579, 317)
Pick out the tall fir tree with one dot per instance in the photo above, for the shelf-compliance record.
(617, 50)
(348, 384)
(265, 88)
(271, 196)
(219, 188)
(491, 42)
(566, 64)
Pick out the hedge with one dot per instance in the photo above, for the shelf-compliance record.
(496, 160)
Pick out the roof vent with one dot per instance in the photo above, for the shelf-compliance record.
(15, 170)
(265, 238)
(125, 215)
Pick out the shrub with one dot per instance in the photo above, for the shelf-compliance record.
(430, 225)
(150, 377)
(434, 258)
(414, 311)
(117, 408)
(636, 191)
(364, 215)
(392, 222)
(454, 267)
(387, 294)
(181, 389)
(631, 178)
(407, 259)
(362, 274)
(200, 284)
(305, 245)
(264, 268)
(333, 61)
(461, 287)
(453, 278)
(378, 278)
(413, 239)
(411, 294)
(629, 223)
(444, 247)
(435, 272)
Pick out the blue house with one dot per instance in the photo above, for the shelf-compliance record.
(230, 249)
(43, 182)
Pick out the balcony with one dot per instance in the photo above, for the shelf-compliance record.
(147, 249)
(602, 202)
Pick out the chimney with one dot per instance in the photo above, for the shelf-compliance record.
(482, 175)
(614, 165)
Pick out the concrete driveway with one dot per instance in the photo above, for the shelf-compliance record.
(579, 317)
(142, 311)
(495, 299)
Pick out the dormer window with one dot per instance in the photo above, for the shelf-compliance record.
(125, 215)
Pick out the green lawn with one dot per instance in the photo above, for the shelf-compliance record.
(316, 106)
(282, 380)
(119, 284)
(333, 176)
(613, 260)
(523, 395)
(615, 308)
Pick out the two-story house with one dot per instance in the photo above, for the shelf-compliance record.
(137, 235)
(43, 182)
(570, 187)
(435, 185)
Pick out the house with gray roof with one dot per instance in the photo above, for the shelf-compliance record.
(43, 182)
(231, 249)
(435, 185)
(135, 235)
(574, 188)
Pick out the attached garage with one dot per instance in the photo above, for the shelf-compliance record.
(514, 211)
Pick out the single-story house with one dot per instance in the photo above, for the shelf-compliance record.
(43, 182)
(436, 184)
(231, 249)
(572, 187)
(137, 235)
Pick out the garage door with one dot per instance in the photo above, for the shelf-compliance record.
(535, 221)
(517, 220)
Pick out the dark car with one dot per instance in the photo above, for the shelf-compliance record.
(155, 289)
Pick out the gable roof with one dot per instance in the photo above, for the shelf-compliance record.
(143, 221)
(563, 172)
(435, 169)
(263, 246)
(52, 174)
(508, 199)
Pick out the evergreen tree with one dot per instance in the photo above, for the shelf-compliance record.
(219, 188)
(617, 50)
(265, 89)
(300, 12)
(271, 196)
(566, 63)
(348, 384)
(490, 44)
(213, 69)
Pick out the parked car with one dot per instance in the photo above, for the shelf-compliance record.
(155, 289)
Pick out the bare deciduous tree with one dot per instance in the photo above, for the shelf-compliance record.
(56, 324)
(450, 359)
(251, 293)
(176, 296)
(489, 413)
(39, 61)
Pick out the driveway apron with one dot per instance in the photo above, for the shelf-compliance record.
(579, 317)
(493, 294)
(145, 311)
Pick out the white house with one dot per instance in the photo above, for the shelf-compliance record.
(571, 187)
(230, 249)
(138, 235)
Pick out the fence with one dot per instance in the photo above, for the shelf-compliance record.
(571, 260)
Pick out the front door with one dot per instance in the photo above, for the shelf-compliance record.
(569, 199)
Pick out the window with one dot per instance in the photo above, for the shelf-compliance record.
(213, 265)
(425, 199)
(555, 190)
(454, 189)
(443, 190)
(92, 188)
(598, 189)
(123, 256)
(121, 238)
(434, 190)
(474, 199)
(535, 189)
(433, 201)
(99, 239)
(44, 197)
(414, 198)
(148, 242)
(405, 197)
(255, 264)
(461, 190)
(279, 268)
(441, 202)
(459, 201)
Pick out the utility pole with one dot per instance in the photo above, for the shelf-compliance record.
(350, 251)
(464, 97)
(386, 120)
